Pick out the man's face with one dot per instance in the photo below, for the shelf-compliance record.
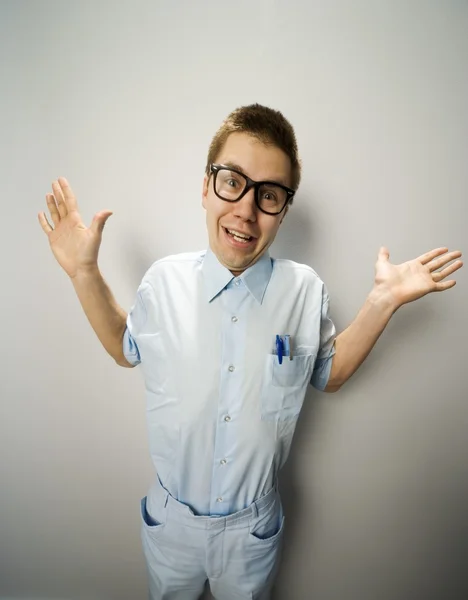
(260, 163)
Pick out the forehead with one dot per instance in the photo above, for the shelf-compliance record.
(256, 159)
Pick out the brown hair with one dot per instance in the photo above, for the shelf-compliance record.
(268, 126)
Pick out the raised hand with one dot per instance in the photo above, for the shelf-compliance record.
(74, 245)
(415, 278)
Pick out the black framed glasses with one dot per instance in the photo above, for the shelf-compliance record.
(231, 185)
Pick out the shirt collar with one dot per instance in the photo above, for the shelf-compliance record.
(217, 277)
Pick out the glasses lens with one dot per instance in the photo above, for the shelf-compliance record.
(229, 185)
(272, 198)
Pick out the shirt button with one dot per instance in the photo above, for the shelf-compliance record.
(234, 319)
(223, 462)
(231, 368)
(237, 282)
(219, 499)
(227, 418)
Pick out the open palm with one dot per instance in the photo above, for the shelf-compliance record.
(416, 278)
(74, 245)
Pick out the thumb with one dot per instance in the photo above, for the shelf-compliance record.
(384, 253)
(99, 220)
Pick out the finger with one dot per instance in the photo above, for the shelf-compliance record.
(54, 213)
(44, 223)
(68, 195)
(428, 256)
(100, 220)
(448, 271)
(436, 264)
(441, 287)
(62, 208)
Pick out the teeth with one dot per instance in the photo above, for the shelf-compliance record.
(239, 235)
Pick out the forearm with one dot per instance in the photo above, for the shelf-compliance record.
(354, 344)
(106, 317)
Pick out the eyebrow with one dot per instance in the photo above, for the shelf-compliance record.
(236, 167)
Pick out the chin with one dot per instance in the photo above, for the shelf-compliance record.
(233, 263)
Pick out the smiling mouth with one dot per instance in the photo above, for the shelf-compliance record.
(239, 237)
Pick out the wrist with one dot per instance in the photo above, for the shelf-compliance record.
(382, 298)
(85, 273)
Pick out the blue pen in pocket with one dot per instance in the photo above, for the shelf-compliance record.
(279, 348)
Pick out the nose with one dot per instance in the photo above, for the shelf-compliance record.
(245, 208)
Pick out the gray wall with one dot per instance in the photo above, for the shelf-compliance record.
(122, 98)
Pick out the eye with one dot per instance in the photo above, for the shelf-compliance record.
(231, 182)
(270, 196)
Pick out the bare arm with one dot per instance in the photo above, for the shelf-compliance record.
(354, 344)
(106, 317)
(76, 249)
(395, 285)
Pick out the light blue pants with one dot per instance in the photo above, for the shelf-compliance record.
(239, 554)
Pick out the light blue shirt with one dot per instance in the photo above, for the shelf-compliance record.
(221, 410)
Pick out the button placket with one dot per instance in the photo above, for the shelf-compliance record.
(230, 392)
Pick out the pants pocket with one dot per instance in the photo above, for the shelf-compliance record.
(271, 539)
(267, 528)
(149, 523)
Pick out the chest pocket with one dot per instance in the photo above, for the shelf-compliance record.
(285, 385)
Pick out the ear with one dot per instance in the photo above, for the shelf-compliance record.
(206, 183)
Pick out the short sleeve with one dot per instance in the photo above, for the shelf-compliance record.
(136, 320)
(323, 362)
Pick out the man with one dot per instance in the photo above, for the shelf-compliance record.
(228, 340)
